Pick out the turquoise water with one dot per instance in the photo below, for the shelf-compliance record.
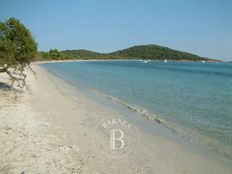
(194, 96)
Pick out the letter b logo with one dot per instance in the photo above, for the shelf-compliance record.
(116, 139)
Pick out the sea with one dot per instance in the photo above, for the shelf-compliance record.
(193, 99)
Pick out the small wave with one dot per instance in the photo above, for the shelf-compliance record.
(141, 111)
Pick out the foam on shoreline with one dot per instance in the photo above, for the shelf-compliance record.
(188, 134)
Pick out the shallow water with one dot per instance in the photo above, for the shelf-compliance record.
(194, 96)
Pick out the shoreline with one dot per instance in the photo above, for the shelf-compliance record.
(67, 119)
(210, 145)
(89, 60)
(188, 137)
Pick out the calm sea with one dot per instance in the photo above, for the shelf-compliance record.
(195, 98)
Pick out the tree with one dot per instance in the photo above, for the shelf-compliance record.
(55, 54)
(17, 50)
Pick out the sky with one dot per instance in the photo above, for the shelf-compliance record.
(202, 27)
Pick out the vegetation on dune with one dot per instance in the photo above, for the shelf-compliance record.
(153, 52)
(17, 50)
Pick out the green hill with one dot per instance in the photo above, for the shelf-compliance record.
(156, 52)
(153, 52)
(80, 54)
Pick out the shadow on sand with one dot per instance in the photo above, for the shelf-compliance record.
(5, 87)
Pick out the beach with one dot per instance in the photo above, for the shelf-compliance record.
(49, 129)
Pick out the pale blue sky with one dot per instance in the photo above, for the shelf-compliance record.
(203, 27)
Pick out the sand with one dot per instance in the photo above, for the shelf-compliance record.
(49, 128)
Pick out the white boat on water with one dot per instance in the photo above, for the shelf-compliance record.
(165, 61)
(145, 61)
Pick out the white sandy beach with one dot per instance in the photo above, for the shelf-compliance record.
(49, 128)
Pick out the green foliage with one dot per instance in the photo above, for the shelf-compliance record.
(42, 55)
(153, 52)
(17, 48)
(16, 43)
(54, 54)
(83, 54)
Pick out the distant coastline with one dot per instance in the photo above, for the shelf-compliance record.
(79, 60)
(141, 52)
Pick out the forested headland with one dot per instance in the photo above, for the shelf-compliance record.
(151, 52)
